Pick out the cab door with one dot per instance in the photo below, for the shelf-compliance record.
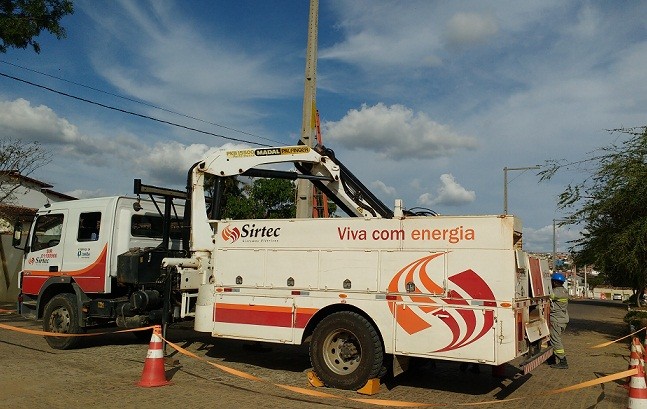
(85, 257)
(45, 256)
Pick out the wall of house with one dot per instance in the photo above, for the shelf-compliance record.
(10, 263)
(610, 293)
(31, 196)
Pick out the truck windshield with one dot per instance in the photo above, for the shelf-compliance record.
(47, 231)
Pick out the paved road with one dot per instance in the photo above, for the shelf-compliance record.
(103, 373)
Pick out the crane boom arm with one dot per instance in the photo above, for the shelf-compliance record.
(317, 164)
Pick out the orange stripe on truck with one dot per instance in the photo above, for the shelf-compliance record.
(267, 315)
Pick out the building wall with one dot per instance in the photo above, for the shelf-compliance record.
(609, 293)
(31, 196)
(10, 263)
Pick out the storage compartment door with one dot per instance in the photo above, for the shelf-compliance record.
(453, 332)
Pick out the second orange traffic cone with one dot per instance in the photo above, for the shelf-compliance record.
(637, 390)
(153, 374)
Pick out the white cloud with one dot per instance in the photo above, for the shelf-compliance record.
(413, 34)
(382, 187)
(169, 162)
(541, 239)
(174, 63)
(370, 40)
(87, 194)
(165, 162)
(588, 22)
(396, 132)
(21, 120)
(450, 193)
(468, 29)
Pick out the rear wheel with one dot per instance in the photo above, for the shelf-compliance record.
(346, 351)
(62, 315)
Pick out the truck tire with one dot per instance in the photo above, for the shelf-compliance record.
(62, 315)
(346, 351)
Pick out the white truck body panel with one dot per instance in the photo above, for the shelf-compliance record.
(269, 280)
(444, 287)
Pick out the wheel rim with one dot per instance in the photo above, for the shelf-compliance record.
(342, 352)
(60, 320)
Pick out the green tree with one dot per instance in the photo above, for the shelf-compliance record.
(23, 20)
(275, 198)
(18, 158)
(259, 199)
(610, 205)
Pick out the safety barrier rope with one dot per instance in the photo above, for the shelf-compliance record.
(385, 402)
(325, 395)
(604, 344)
(63, 335)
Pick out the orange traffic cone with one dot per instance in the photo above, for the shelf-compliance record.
(637, 390)
(153, 374)
(636, 357)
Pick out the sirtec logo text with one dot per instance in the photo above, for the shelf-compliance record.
(250, 231)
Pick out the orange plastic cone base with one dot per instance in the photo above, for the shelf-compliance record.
(153, 373)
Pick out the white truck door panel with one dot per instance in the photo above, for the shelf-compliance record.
(239, 267)
(349, 270)
(291, 268)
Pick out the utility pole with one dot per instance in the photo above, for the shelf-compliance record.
(555, 222)
(308, 132)
(505, 183)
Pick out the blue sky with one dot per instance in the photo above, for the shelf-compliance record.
(425, 101)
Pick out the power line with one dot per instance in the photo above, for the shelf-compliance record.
(137, 101)
(130, 112)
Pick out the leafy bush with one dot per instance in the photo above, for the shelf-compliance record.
(637, 319)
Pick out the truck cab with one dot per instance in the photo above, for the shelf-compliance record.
(78, 263)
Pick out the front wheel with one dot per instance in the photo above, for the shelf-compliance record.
(346, 351)
(62, 315)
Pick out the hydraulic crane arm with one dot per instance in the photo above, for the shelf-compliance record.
(318, 165)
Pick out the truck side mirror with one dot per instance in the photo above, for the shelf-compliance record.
(17, 235)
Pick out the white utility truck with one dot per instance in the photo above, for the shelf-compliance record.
(367, 291)
(381, 283)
